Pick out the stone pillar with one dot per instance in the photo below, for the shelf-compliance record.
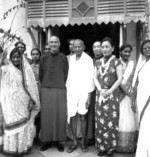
(121, 35)
(49, 34)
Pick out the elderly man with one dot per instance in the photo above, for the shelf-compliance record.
(79, 83)
(53, 75)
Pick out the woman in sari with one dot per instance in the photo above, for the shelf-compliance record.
(108, 77)
(20, 104)
(141, 81)
(127, 117)
(36, 54)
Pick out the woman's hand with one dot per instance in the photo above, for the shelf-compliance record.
(133, 107)
(105, 92)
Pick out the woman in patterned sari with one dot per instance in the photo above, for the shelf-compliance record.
(20, 104)
(128, 126)
(108, 77)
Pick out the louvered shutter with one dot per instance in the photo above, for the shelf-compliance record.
(110, 11)
(35, 9)
(58, 12)
(123, 11)
(135, 6)
(110, 7)
(135, 10)
(56, 8)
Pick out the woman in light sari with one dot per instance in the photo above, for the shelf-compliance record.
(36, 54)
(20, 104)
(141, 81)
(128, 118)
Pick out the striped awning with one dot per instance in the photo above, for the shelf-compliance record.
(63, 12)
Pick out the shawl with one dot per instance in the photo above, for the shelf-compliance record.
(19, 96)
(140, 64)
(142, 83)
(126, 84)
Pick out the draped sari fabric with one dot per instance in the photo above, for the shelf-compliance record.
(143, 94)
(128, 125)
(20, 104)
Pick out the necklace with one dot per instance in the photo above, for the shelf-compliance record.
(105, 66)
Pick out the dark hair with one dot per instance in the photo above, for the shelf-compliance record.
(125, 46)
(37, 50)
(14, 51)
(1, 49)
(20, 42)
(97, 41)
(144, 42)
(71, 40)
(109, 40)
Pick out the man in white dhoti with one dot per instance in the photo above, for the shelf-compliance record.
(79, 85)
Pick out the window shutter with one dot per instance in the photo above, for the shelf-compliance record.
(35, 9)
(56, 8)
(110, 7)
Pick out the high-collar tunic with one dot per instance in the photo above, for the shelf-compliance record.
(53, 73)
(53, 70)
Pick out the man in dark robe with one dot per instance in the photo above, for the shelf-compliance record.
(53, 73)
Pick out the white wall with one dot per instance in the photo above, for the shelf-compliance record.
(18, 25)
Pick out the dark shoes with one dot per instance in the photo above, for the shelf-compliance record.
(45, 146)
(60, 147)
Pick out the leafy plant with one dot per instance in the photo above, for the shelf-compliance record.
(7, 37)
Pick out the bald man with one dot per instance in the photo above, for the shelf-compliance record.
(79, 86)
(53, 73)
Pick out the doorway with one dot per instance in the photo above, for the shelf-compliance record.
(88, 33)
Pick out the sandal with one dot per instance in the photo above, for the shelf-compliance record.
(110, 153)
(84, 148)
(71, 148)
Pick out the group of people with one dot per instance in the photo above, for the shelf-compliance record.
(104, 100)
